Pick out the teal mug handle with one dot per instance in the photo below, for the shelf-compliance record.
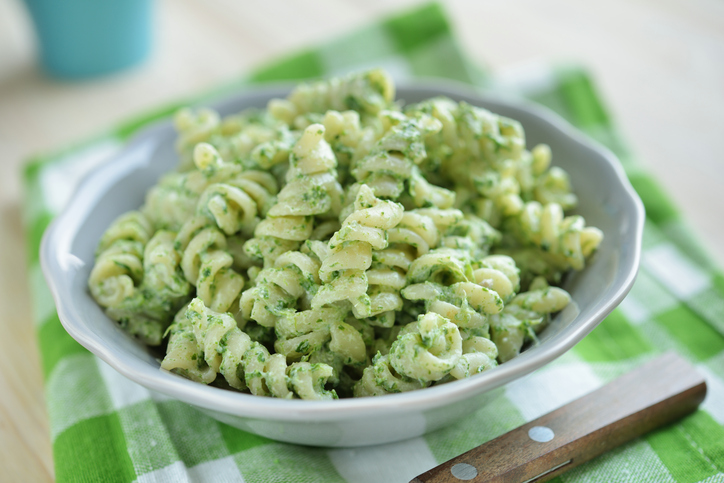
(87, 38)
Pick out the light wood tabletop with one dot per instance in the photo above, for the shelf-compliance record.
(658, 63)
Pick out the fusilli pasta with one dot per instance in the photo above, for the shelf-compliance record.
(338, 244)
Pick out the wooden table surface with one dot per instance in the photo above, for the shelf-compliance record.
(659, 64)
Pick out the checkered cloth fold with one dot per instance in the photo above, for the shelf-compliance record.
(105, 428)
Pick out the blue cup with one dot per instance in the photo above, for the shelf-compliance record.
(87, 38)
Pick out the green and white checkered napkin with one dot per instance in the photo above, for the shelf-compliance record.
(106, 428)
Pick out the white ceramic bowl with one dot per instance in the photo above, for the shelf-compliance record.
(607, 201)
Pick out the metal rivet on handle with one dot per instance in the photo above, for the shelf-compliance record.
(541, 434)
(464, 471)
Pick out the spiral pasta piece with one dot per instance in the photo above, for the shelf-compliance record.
(312, 189)
(133, 225)
(119, 259)
(294, 276)
(343, 271)
(117, 272)
(526, 314)
(207, 265)
(237, 204)
(427, 350)
(415, 234)
(161, 261)
(147, 312)
(479, 355)
(393, 159)
(183, 355)
(565, 238)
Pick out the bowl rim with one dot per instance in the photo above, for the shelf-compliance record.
(247, 405)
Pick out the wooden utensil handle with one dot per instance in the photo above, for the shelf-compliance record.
(659, 392)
